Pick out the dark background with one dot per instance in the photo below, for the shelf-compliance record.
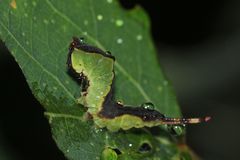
(199, 49)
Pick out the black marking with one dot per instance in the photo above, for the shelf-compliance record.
(79, 44)
(111, 110)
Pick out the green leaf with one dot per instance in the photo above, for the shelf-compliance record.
(38, 34)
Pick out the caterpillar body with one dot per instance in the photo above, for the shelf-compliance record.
(94, 70)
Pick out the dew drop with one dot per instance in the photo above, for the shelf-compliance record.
(101, 93)
(25, 4)
(23, 33)
(81, 39)
(98, 130)
(34, 3)
(67, 82)
(52, 21)
(99, 17)
(85, 22)
(159, 88)
(119, 41)
(85, 33)
(139, 37)
(109, 1)
(145, 81)
(45, 21)
(67, 150)
(27, 42)
(130, 145)
(34, 18)
(165, 83)
(108, 53)
(119, 22)
(176, 130)
(148, 105)
(44, 84)
(25, 14)
(120, 102)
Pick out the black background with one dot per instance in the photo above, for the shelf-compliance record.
(198, 44)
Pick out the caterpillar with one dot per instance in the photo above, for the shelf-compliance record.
(94, 70)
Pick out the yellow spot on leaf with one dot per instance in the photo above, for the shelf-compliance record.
(13, 4)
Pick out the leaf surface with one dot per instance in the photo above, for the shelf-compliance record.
(38, 34)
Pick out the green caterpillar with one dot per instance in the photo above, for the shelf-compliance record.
(94, 70)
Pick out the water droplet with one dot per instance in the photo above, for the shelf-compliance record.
(159, 88)
(108, 53)
(67, 150)
(27, 42)
(165, 83)
(81, 39)
(119, 22)
(97, 130)
(45, 21)
(25, 14)
(148, 105)
(101, 93)
(25, 4)
(120, 102)
(177, 130)
(145, 81)
(23, 33)
(139, 37)
(85, 33)
(44, 84)
(97, 97)
(52, 21)
(109, 1)
(119, 41)
(85, 22)
(130, 145)
(34, 18)
(34, 3)
(99, 17)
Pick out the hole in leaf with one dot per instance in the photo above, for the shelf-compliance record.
(145, 147)
(117, 151)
